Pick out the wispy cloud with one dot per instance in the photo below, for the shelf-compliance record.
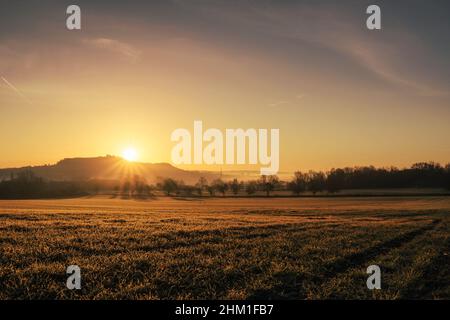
(16, 90)
(279, 103)
(383, 59)
(381, 66)
(118, 47)
(287, 102)
(337, 31)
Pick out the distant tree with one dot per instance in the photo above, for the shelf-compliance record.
(181, 187)
(138, 185)
(335, 180)
(169, 186)
(27, 185)
(268, 183)
(251, 187)
(426, 166)
(447, 176)
(188, 190)
(147, 190)
(298, 183)
(427, 174)
(235, 186)
(316, 181)
(201, 185)
(211, 190)
(126, 187)
(220, 186)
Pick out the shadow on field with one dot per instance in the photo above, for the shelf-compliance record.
(434, 278)
(360, 258)
(290, 284)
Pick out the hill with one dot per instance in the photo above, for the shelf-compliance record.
(107, 168)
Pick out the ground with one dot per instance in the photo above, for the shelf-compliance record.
(232, 248)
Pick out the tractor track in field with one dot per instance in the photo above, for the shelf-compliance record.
(433, 277)
(290, 284)
(358, 259)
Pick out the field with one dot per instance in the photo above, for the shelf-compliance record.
(241, 248)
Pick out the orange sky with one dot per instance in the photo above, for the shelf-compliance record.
(341, 95)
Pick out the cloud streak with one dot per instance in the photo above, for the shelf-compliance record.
(14, 88)
(338, 31)
(115, 46)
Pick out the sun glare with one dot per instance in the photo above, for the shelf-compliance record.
(130, 154)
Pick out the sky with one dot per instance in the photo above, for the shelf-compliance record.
(340, 94)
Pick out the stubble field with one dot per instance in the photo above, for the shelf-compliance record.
(231, 248)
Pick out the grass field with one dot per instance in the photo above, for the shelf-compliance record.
(280, 248)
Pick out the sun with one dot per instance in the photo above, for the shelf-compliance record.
(130, 154)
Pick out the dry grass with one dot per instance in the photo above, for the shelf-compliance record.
(281, 248)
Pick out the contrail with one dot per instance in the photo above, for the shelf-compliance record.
(16, 90)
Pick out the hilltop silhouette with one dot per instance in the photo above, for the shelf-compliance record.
(105, 168)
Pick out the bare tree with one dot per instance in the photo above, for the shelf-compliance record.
(316, 181)
(169, 186)
(220, 186)
(268, 183)
(126, 188)
(235, 186)
(201, 185)
(298, 183)
(211, 190)
(251, 187)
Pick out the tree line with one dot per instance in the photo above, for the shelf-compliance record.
(25, 185)
(420, 175)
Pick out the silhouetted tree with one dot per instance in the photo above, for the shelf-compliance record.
(181, 187)
(220, 186)
(251, 187)
(298, 183)
(138, 185)
(335, 180)
(187, 190)
(26, 185)
(268, 183)
(201, 185)
(147, 190)
(316, 181)
(447, 178)
(235, 186)
(126, 188)
(211, 190)
(169, 186)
